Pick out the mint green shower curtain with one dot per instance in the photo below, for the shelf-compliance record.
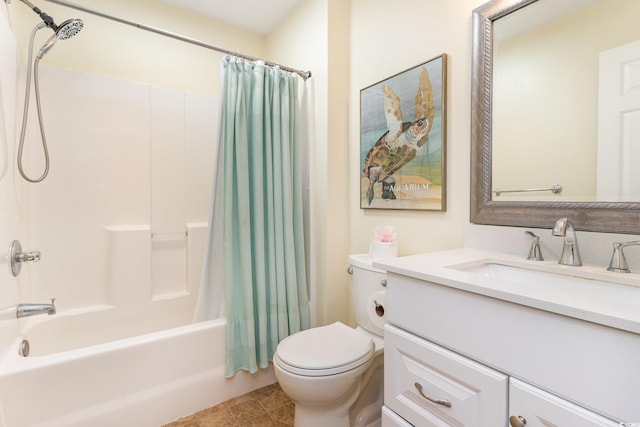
(262, 229)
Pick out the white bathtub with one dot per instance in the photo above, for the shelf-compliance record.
(148, 380)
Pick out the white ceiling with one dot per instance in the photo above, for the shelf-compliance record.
(258, 16)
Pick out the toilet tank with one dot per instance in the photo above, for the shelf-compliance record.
(368, 293)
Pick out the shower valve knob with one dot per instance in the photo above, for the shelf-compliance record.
(33, 256)
(17, 257)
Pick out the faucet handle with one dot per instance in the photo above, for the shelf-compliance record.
(535, 252)
(618, 261)
(17, 257)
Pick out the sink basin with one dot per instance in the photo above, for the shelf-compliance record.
(613, 287)
(519, 274)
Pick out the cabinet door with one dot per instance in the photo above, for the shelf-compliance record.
(428, 385)
(531, 407)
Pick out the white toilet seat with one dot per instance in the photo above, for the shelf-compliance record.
(325, 350)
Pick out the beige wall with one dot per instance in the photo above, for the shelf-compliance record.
(389, 38)
(314, 36)
(336, 224)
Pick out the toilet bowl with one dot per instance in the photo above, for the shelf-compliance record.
(334, 373)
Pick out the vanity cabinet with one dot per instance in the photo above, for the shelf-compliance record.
(454, 357)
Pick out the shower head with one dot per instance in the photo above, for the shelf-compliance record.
(69, 28)
(66, 30)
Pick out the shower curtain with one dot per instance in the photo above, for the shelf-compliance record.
(257, 229)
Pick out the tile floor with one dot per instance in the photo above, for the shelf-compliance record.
(266, 407)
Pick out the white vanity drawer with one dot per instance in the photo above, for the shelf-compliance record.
(391, 419)
(476, 393)
(531, 407)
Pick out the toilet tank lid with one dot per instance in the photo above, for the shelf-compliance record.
(363, 261)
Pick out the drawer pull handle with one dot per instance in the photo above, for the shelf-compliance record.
(517, 421)
(443, 402)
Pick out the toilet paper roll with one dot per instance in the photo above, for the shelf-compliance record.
(376, 308)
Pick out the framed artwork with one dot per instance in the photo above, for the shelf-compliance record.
(403, 139)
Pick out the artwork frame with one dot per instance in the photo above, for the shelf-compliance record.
(403, 139)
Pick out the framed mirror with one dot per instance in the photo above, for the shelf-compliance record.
(538, 120)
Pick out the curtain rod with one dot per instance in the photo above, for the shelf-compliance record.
(304, 74)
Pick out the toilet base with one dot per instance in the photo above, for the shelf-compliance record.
(321, 401)
(367, 410)
(361, 406)
(306, 416)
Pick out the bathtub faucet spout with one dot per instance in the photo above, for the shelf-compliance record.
(24, 310)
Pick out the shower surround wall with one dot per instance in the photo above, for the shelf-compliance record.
(12, 197)
(121, 219)
(121, 224)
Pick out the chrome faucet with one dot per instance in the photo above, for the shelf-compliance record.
(24, 310)
(618, 261)
(570, 253)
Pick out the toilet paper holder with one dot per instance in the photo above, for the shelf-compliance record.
(379, 308)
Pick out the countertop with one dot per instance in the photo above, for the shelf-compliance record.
(603, 297)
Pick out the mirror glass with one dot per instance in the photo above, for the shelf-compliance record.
(556, 109)
(555, 88)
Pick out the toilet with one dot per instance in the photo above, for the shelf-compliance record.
(334, 373)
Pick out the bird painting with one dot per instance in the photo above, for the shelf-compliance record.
(402, 140)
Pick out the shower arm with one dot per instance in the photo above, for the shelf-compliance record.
(45, 18)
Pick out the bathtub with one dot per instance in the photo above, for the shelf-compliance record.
(69, 379)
